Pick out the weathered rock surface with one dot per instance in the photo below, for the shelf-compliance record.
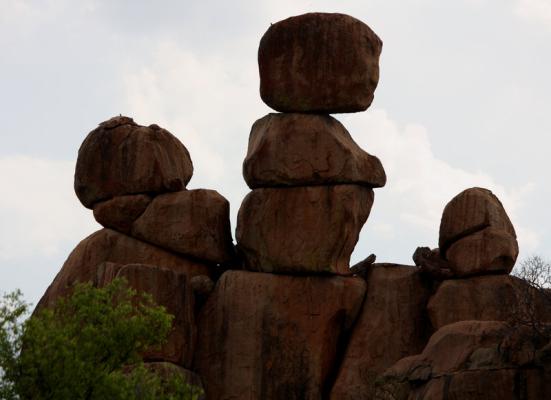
(120, 157)
(393, 324)
(485, 298)
(170, 289)
(119, 213)
(470, 360)
(469, 212)
(307, 149)
(487, 251)
(166, 371)
(264, 336)
(190, 222)
(302, 229)
(318, 62)
(107, 245)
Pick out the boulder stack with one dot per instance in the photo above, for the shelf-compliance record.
(476, 235)
(158, 235)
(312, 184)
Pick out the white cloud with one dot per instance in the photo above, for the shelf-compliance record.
(39, 211)
(420, 184)
(534, 10)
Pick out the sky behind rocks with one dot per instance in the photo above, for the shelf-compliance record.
(463, 100)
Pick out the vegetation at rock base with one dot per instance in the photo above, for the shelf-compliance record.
(86, 347)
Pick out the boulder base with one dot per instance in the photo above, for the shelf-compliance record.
(317, 62)
(486, 298)
(307, 149)
(392, 324)
(264, 336)
(169, 289)
(121, 157)
(109, 246)
(302, 229)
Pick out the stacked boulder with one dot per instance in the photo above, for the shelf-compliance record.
(312, 184)
(275, 330)
(158, 235)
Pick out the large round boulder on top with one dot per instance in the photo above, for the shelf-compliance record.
(292, 149)
(471, 211)
(318, 62)
(120, 157)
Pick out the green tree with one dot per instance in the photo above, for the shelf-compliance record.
(86, 347)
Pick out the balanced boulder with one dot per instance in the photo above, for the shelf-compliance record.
(307, 149)
(121, 157)
(319, 62)
(264, 336)
(476, 235)
(191, 222)
(302, 229)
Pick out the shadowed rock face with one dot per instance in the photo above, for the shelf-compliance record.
(191, 222)
(267, 336)
(303, 229)
(469, 360)
(392, 325)
(109, 246)
(169, 289)
(322, 63)
(120, 157)
(476, 235)
(484, 298)
(307, 149)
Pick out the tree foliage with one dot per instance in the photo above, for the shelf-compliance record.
(86, 347)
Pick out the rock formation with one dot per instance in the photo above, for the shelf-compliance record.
(312, 184)
(283, 316)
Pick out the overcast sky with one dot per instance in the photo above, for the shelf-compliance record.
(463, 100)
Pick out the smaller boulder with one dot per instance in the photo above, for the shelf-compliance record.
(119, 213)
(120, 157)
(487, 251)
(471, 211)
(191, 222)
(307, 149)
(319, 63)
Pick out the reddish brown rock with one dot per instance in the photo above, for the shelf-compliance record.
(487, 251)
(485, 298)
(469, 212)
(302, 229)
(264, 336)
(307, 149)
(392, 324)
(324, 63)
(167, 371)
(469, 360)
(109, 246)
(120, 157)
(119, 213)
(192, 222)
(170, 289)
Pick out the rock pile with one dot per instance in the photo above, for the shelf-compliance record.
(158, 235)
(288, 319)
(312, 184)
